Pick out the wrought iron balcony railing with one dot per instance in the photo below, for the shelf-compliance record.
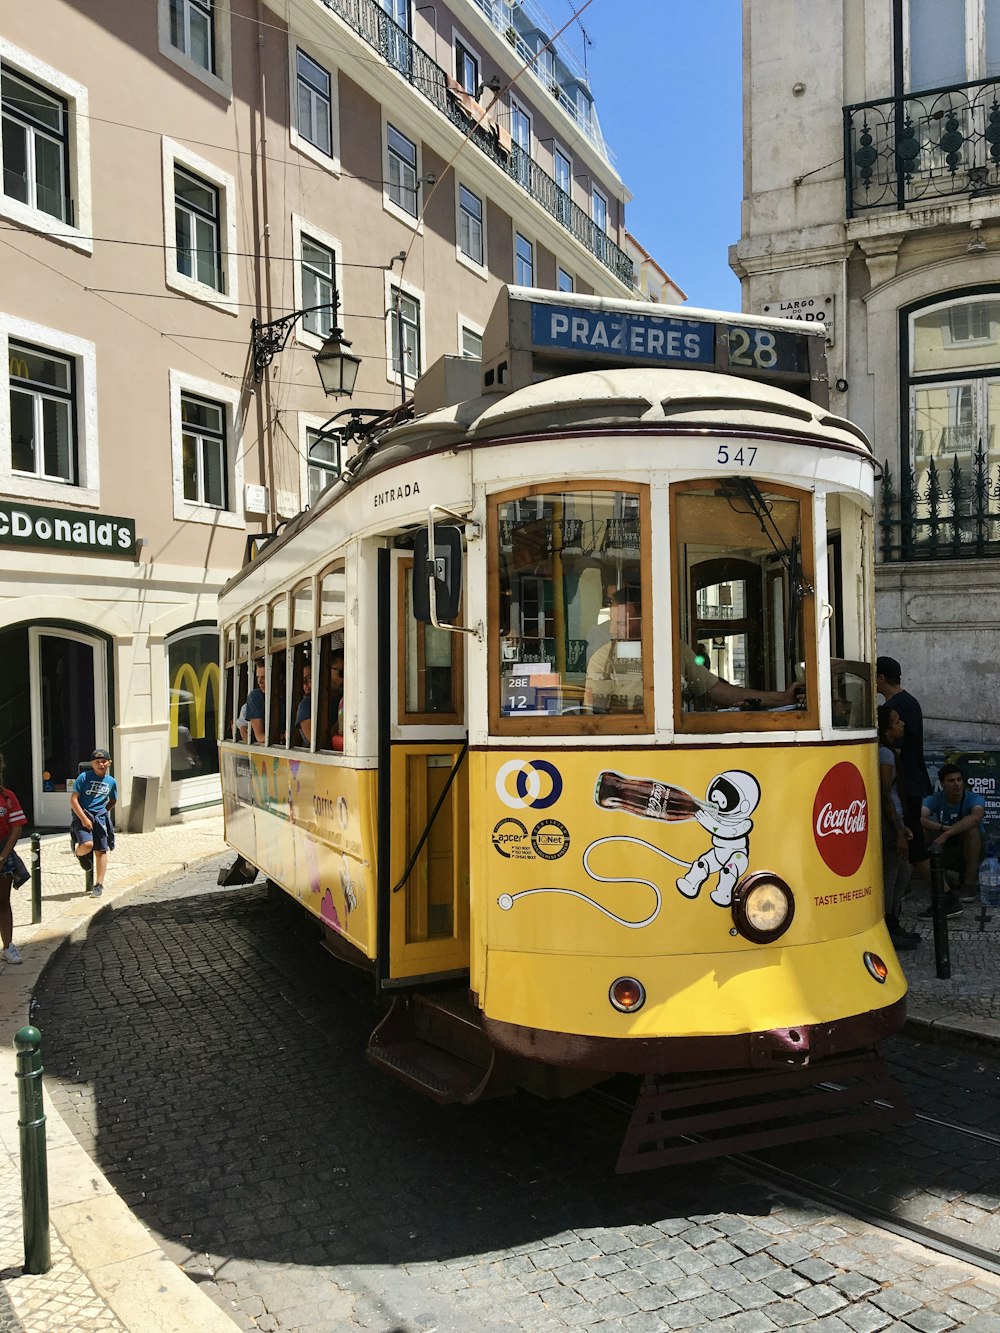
(370, 21)
(947, 513)
(922, 148)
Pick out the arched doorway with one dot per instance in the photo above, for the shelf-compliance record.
(68, 691)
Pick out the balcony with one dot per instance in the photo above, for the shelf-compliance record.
(947, 512)
(370, 21)
(923, 148)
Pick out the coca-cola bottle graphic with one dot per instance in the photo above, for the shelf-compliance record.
(644, 797)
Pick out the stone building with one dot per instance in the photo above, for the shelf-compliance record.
(173, 170)
(872, 202)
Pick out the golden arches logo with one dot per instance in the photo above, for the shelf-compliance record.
(186, 679)
(18, 368)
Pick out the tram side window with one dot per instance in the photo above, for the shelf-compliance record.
(328, 681)
(302, 673)
(242, 682)
(227, 718)
(431, 663)
(743, 592)
(574, 636)
(277, 703)
(849, 556)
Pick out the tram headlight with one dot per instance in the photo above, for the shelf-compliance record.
(627, 995)
(763, 907)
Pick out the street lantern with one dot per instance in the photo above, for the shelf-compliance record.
(338, 368)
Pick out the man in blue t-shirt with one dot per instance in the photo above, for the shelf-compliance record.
(951, 818)
(92, 798)
(253, 709)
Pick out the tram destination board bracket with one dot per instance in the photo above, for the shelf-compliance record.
(534, 334)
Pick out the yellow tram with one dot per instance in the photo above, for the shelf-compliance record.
(600, 792)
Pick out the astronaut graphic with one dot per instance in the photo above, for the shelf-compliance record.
(730, 800)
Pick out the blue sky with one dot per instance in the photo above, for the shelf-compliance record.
(666, 76)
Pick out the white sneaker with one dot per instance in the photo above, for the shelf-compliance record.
(12, 954)
(97, 890)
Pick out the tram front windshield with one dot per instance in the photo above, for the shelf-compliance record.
(577, 593)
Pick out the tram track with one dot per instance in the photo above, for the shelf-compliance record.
(759, 1168)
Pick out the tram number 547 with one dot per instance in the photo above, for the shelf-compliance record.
(742, 457)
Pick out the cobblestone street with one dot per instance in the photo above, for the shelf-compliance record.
(211, 1059)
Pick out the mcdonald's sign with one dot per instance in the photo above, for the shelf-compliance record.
(18, 367)
(187, 681)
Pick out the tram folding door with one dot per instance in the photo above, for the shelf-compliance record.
(424, 900)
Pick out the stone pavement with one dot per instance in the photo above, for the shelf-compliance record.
(109, 1272)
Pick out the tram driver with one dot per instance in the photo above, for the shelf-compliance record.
(614, 671)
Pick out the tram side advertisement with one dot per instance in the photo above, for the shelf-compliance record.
(307, 827)
(639, 854)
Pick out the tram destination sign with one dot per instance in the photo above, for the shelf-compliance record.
(669, 341)
(66, 530)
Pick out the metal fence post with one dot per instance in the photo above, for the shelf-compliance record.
(939, 889)
(34, 1169)
(36, 879)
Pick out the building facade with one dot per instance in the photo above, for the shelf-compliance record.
(872, 202)
(172, 171)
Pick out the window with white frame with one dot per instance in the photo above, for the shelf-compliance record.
(466, 66)
(951, 41)
(470, 342)
(44, 149)
(470, 226)
(196, 34)
(565, 281)
(203, 451)
(599, 209)
(206, 457)
(192, 30)
(402, 161)
(197, 229)
(545, 64)
(42, 413)
(48, 414)
(314, 103)
(35, 145)
(404, 329)
(319, 281)
(200, 223)
(524, 261)
(321, 447)
(564, 184)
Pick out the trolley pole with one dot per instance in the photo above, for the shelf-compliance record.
(36, 879)
(34, 1168)
(942, 953)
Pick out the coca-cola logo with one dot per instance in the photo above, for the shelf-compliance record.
(840, 819)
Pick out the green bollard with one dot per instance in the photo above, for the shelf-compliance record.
(36, 879)
(34, 1169)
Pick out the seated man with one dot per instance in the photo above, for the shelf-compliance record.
(951, 818)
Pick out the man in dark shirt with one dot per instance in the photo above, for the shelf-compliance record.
(914, 783)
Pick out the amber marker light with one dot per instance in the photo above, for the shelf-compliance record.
(763, 907)
(627, 995)
(876, 967)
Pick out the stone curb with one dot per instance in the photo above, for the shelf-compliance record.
(121, 1259)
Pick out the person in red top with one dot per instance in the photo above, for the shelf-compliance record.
(12, 821)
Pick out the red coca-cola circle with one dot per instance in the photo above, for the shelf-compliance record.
(840, 819)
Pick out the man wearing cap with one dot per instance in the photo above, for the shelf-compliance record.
(92, 799)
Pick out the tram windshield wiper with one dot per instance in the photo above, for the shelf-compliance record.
(743, 488)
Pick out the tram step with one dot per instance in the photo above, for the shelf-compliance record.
(434, 1046)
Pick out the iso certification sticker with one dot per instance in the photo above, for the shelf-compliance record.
(510, 838)
(550, 839)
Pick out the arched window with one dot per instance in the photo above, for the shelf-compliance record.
(954, 387)
(195, 697)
